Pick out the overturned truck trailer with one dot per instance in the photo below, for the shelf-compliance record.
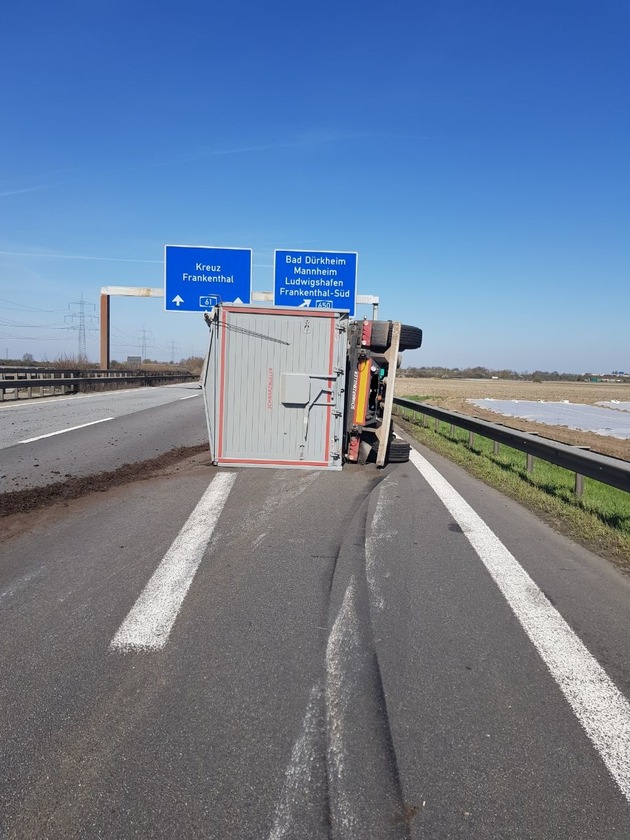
(301, 388)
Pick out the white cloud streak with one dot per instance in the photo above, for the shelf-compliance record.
(308, 138)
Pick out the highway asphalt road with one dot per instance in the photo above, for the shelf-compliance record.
(44, 441)
(257, 653)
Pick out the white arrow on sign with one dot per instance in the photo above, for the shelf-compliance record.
(305, 302)
(238, 302)
(178, 300)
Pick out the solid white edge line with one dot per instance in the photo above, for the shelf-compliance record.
(600, 707)
(63, 431)
(190, 397)
(149, 622)
(39, 402)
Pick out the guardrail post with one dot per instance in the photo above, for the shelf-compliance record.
(425, 420)
(530, 463)
(495, 447)
(579, 485)
(437, 425)
(471, 439)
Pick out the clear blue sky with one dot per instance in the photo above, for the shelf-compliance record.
(475, 154)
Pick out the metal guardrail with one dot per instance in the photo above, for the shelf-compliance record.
(20, 382)
(612, 471)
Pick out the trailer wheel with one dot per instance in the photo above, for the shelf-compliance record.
(410, 337)
(398, 451)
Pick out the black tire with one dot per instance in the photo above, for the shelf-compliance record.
(410, 337)
(381, 335)
(398, 452)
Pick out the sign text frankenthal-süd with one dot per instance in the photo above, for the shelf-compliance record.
(198, 277)
(315, 279)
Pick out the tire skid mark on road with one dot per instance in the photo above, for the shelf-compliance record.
(17, 586)
(600, 707)
(148, 625)
(302, 809)
(345, 738)
(378, 539)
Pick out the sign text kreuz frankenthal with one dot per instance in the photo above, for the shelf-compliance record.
(197, 277)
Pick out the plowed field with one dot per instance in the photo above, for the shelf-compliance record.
(453, 393)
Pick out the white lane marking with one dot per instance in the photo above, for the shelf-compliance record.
(600, 707)
(192, 396)
(149, 623)
(40, 402)
(63, 431)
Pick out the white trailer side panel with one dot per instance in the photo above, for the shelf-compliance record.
(273, 387)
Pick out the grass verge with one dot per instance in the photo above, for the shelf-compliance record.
(598, 520)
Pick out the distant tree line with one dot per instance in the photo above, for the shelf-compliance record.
(487, 373)
(192, 364)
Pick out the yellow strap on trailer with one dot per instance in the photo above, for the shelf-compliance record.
(363, 391)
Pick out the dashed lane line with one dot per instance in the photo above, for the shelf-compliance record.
(148, 625)
(63, 431)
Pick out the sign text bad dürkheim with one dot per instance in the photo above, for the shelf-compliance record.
(315, 279)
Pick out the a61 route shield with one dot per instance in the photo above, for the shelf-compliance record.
(315, 279)
(198, 277)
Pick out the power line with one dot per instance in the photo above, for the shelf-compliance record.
(24, 307)
(145, 337)
(82, 317)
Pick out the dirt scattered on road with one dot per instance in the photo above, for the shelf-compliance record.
(26, 501)
(452, 395)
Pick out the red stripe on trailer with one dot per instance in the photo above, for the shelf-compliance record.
(274, 462)
(331, 355)
(222, 337)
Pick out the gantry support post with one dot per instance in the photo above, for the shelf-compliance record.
(104, 322)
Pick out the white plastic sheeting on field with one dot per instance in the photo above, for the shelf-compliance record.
(612, 421)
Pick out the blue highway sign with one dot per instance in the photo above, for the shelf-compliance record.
(315, 279)
(197, 277)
